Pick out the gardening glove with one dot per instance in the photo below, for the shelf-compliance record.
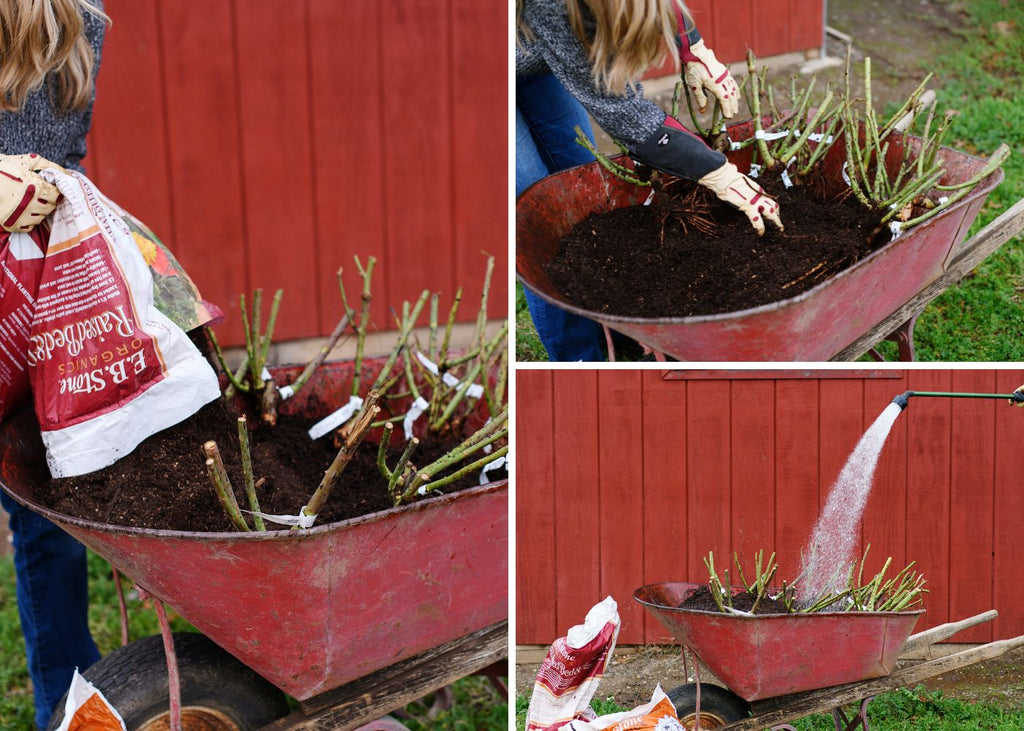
(1018, 396)
(701, 70)
(734, 187)
(25, 198)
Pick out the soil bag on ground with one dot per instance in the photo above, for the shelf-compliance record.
(570, 673)
(87, 709)
(80, 325)
(657, 715)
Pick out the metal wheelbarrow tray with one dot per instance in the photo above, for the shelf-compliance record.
(790, 666)
(815, 325)
(310, 610)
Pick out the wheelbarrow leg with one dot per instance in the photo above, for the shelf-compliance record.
(860, 720)
(173, 678)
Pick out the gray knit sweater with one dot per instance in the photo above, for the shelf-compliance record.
(42, 129)
(630, 118)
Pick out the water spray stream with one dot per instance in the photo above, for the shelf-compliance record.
(828, 555)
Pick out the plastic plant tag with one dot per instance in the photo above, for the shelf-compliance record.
(494, 464)
(474, 391)
(86, 709)
(415, 411)
(302, 520)
(336, 418)
(569, 675)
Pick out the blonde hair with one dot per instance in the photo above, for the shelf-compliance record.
(43, 37)
(630, 36)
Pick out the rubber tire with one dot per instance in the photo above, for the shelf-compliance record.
(134, 679)
(718, 706)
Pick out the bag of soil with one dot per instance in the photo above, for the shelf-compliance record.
(87, 709)
(570, 673)
(106, 367)
(657, 715)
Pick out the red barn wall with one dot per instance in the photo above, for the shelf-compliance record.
(767, 27)
(627, 477)
(267, 143)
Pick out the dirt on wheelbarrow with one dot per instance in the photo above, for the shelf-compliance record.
(686, 253)
(163, 483)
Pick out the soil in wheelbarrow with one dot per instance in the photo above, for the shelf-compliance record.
(689, 254)
(163, 483)
(702, 600)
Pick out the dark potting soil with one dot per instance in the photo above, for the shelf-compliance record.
(701, 599)
(688, 254)
(163, 483)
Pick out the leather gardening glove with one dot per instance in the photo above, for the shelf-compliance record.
(702, 71)
(25, 198)
(734, 187)
(1018, 396)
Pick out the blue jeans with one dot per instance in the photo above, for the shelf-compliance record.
(546, 115)
(53, 604)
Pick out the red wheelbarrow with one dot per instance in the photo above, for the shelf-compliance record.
(351, 619)
(841, 318)
(782, 667)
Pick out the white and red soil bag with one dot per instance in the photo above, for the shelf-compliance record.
(79, 328)
(569, 676)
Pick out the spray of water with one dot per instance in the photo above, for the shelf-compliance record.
(829, 554)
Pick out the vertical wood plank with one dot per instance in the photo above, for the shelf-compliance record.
(535, 509)
(348, 151)
(885, 517)
(808, 27)
(796, 469)
(753, 470)
(480, 159)
(707, 474)
(204, 149)
(1008, 511)
(929, 451)
(127, 154)
(734, 31)
(971, 504)
(578, 542)
(772, 24)
(621, 495)
(664, 487)
(416, 119)
(277, 161)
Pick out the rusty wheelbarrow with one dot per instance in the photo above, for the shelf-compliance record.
(352, 619)
(840, 319)
(779, 668)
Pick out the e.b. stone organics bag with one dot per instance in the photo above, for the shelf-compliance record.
(106, 368)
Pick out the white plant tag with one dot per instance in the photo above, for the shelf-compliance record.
(302, 520)
(335, 419)
(494, 464)
(415, 411)
(474, 391)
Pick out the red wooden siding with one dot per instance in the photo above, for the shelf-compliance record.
(625, 477)
(267, 143)
(767, 27)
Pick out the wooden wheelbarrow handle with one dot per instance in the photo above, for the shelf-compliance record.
(945, 631)
(978, 248)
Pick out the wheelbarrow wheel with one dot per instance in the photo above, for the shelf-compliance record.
(218, 693)
(718, 706)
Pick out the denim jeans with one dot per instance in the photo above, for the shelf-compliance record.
(53, 605)
(546, 115)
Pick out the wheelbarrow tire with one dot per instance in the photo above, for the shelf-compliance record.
(718, 706)
(215, 687)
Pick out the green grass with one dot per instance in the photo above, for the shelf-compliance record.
(978, 74)
(898, 710)
(475, 705)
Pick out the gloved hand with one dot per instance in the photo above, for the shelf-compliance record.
(1018, 399)
(25, 198)
(701, 70)
(734, 187)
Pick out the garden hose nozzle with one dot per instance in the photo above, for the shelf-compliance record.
(1016, 397)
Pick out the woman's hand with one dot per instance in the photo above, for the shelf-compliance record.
(701, 70)
(734, 187)
(25, 198)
